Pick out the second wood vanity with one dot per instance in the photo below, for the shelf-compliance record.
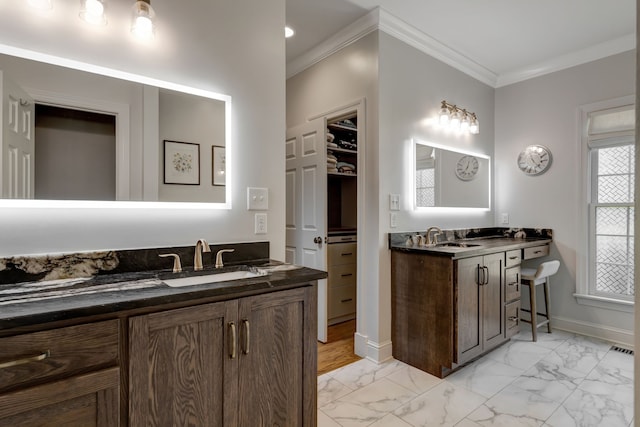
(451, 304)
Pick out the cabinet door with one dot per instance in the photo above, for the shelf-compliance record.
(181, 370)
(89, 400)
(278, 359)
(469, 316)
(492, 301)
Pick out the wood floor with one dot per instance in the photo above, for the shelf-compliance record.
(338, 351)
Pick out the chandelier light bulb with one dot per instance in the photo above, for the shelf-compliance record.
(455, 119)
(92, 11)
(444, 114)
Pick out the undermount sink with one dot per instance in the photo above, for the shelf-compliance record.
(214, 278)
(457, 244)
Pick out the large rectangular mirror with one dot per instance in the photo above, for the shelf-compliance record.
(449, 178)
(71, 134)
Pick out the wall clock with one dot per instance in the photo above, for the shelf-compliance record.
(534, 160)
(467, 168)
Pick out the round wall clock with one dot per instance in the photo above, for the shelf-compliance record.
(467, 168)
(534, 160)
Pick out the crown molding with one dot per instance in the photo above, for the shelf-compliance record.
(380, 19)
(343, 38)
(592, 53)
(399, 29)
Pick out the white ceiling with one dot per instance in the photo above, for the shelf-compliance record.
(505, 37)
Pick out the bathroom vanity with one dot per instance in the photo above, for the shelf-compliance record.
(125, 349)
(460, 298)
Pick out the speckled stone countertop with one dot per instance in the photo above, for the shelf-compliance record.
(32, 303)
(59, 287)
(477, 241)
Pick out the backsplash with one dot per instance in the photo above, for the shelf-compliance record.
(65, 266)
(474, 233)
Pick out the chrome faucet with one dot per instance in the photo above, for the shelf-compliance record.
(201, 246)
(219, 263)
(434, 240)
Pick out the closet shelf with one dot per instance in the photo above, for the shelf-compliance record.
(342, 174)
(342, 150)
(335, 126)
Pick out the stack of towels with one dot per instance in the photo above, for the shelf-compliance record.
(332, 161)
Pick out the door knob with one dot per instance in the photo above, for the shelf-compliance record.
(317, 240)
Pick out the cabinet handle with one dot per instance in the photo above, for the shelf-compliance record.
(486, 276)
(537, 252)
(513, 257)
(478, 281)
(347, 274)
(24, 360)
(247, 338)
(346, 254)
(232, 340)
(346, 300)
(513, 319)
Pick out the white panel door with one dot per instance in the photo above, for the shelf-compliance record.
(306, 211)
(18, 153)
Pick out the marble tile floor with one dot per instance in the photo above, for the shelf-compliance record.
(563, 380)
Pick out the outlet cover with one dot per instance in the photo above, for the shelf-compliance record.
(261, 223)
(393, 219)
(504, 218)
(257, 199)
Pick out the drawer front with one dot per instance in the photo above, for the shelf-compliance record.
(512, 284)
(341, 275)
(514, 257)
(536, 252)
(342, 253)
(57, 353)
(512, 318)
(342, 301)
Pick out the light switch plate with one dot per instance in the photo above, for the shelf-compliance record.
(257, 199)
(261, 223)
(394, 202)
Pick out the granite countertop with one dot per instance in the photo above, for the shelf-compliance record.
(31, 303)
(475, 246)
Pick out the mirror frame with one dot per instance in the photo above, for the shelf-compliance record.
(415, 143)
(104, 71)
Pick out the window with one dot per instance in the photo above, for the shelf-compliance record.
(610, 150)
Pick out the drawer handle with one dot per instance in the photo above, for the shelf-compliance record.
(347, 274)
(513, 318)
(24, 360)
(346, 254)
(537, 252)
(245, 347)
(513, 257)
(232, 340)
(346, 300)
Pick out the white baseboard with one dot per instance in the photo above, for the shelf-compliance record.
(372, 350)
(618, 336)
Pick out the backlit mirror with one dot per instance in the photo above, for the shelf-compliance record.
(451, 178)
(70, 134)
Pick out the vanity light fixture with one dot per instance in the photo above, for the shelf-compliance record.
(92, 11)
(41, 4)
(458, 119)
(142, 20)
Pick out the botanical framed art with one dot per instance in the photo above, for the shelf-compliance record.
(218, 165)
(181, 163)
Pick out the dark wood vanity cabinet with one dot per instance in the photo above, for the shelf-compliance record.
(447, 311)
(478, 310)
(248, 361)
(61, 377)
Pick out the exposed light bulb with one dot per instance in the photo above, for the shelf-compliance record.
(142, 17)
(41, 4)
(455, 119)
(474, 126)
(464, 123)
(288, 32)
(92, 11)
(444, 114)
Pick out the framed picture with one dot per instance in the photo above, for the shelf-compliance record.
(218, 165)
(181, 163)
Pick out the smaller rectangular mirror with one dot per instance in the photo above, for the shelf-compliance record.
(449, 178)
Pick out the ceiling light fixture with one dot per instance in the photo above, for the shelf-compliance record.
(288, 32)
(142, 20)
(92, 11)
(459, 119)
(41, 4)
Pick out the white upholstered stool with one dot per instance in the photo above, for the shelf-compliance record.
(532, 277)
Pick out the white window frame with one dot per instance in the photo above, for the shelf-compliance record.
(583, 252)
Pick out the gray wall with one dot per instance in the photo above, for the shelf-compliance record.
(231, 47)
(544, 111)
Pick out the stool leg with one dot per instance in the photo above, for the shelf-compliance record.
(534, 310)
(546, 303)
